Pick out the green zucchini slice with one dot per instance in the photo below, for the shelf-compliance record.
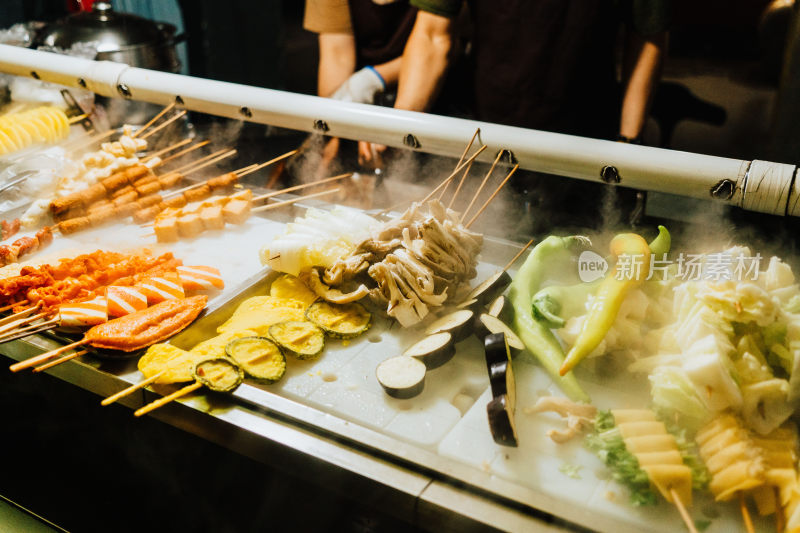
(260, 358)
(299, 338)
(343, 321)
(219, 374)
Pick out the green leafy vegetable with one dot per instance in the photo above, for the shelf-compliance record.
(569, 470)
(701, 524)
(675, 397)
(606, 442)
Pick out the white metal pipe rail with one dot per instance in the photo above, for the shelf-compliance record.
(755, 185)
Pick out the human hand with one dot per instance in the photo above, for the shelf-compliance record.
(361, 87)
(370, 154)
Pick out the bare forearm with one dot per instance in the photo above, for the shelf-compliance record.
(337, 61)
(424, 63)
(390, 71)
(641, 73)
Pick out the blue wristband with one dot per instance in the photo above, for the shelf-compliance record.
(383, 82)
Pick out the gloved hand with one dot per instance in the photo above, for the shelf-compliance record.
(361, 87)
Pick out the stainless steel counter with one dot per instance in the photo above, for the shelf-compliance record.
(412, 484)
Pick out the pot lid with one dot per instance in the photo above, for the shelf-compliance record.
(111, 29)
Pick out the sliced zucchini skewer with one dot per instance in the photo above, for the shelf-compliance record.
(401, 377)
(339, 321)
(299, 338)
(433, 350)
(219, 374)
(260, 358)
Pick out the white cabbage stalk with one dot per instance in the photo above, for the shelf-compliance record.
(318, 239)
(766, 405)
(711, 375)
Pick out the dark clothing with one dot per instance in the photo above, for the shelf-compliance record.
(550, 64)
(550, 68)
(381, 31)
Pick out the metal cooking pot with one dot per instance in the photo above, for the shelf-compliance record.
(122, 37)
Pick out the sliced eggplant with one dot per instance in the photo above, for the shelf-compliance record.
(434, 350)
(501, 421)
(495, 349)
(260, 358)
(219, 374)
(487, 324)
(458, 323)
(401, 377)
(299, 338)
(491, 288)
(500, 308)
(339, 321)
(498, 363)
(467, 304)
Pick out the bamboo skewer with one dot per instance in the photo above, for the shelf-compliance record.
(165, 150)
(133, 388)
(298, 187)
(293, 200)
(153, 120)
(29, 329)
(33, 361)
(37, 328)
(495, 193)
(62, 359)
(11, 306)
(482, 185)
(451, 176)
(522, 251)
(88, 142)
(682, 510)
(267, 163)
(780, 516)
(77, 118)
(166, 399)
(748, 522)
(460, 184)
(21, 322)
(461, 159)
(241, 172)
(164, 124)
(181, 153)
(203, 160)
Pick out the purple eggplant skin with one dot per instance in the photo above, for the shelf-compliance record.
(460, 330)
(491, 288)
(401, 393)
(501, 421)
(437, 357)
(482, 331)
(500, 308)
(495, 351)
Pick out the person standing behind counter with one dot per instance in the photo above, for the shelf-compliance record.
(547, 65)
(360, 47)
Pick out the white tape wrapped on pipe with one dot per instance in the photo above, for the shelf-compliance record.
(639, 167)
